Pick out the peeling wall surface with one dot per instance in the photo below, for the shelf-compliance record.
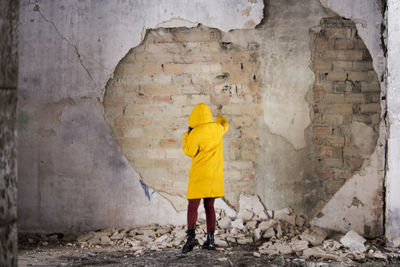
(86, 155)
(72, 175)
(8, 105)
(393, 89)
(366, 185)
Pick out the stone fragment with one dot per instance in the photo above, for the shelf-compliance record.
(105, 240)
(266, 224)
(257, 234)
(222, 259)
(225, 223)
(331, 245)
(238, 224)
(279, 232)
(289, 218)
(283, 248)
(256, 254)
(299, 245)
(251, 225)
(221, 204)
(220, 243)
(245, 240)
(85, 237)
(118, 236)
(314, 235)
(161, 239)
(377, 255)
(300, 221)
(245, 215)
(252, 203)
(278, 214)
(269, 233)
(353, 241)
(317, 252)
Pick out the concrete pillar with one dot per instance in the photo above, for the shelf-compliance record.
(8, 103)
(393, 106)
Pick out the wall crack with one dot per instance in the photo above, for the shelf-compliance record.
(37, 9)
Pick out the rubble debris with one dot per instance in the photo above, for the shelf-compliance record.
(354, 241)
(281, 234)
(314, 235)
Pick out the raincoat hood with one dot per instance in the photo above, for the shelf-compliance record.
(201, 114)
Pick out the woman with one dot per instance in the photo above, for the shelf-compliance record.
(203, 143)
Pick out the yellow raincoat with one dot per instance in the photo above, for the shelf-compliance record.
(204, 145)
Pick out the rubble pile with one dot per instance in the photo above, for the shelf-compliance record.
(271, 233)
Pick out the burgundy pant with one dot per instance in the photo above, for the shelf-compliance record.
(193, 205)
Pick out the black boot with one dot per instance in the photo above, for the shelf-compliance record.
(209, 244)
(191, 241)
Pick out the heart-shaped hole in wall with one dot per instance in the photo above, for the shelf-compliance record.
(153, 91)
(155, 87)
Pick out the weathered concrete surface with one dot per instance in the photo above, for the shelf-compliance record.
(393, 154)
(68, 53)
(287, 79)
(8, 104)
(70, 163)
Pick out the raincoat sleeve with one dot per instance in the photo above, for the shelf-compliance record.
(190, 146)
(223, 122)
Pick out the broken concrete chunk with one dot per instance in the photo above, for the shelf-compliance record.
(257, 234)
(269, 233)
(291, 219)
(238, 224)
(265, 225)
(105, 240)
(251, 224)
(278, 214)
(225, 223)
(317, 252)
(299, 245)
(353, 241)
(283, 248)
(245, 240)
(314, 235)
(245, 215)
(220, 243)
(86, 237)
(279, 232)
(300, 221)
(252, 203)
(221, 204)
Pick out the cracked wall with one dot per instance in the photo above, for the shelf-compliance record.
(75, 165)
(8, 104)
(68, 54)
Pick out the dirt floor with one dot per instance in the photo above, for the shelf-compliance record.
(67, 253)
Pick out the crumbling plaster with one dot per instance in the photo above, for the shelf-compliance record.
(367, 185)
(393, 154)
(68, 52)
(70, 164)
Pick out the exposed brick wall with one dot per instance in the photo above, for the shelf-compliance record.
(156, 86)
(346, 100)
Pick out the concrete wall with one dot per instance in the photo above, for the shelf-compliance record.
(8, 104)
(393, 156)
(77, 167)
(73, 175)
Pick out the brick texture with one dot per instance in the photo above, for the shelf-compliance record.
(156, 86)
(346, 90)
